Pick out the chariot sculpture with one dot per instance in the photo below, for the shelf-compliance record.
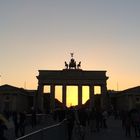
(72, 64)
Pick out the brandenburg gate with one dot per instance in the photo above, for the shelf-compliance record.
(71, 75)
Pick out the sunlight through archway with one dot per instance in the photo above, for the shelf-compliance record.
(97, 90)
(85, 94)
(72, 96)
(58, 93)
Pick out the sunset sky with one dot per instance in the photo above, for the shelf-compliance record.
(41, 34)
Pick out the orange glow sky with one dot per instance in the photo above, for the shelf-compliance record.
(39, 34)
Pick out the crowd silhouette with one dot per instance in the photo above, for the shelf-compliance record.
(78, 119)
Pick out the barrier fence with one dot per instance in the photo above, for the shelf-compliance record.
(54, 132)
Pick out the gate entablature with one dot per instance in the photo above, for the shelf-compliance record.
(71, 77)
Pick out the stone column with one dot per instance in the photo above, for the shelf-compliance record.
(103, 89)
(91, 96)
(104, 97)
(52, 98)
(79, 95)
(64, 95)
(39, 100)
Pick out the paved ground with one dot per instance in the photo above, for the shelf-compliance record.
(113, 132)
(10, 135)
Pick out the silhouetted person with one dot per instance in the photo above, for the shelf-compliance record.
(33, 118)
(6, 114)
(82, 117)
(92, 120)
(70, 119)
(104, 115)
(128, 123)
(61, 115)
(2, 129)
(22, 119)
(98, 119)
(123, 115)
(88, 116)
(55, 115)
(82, 114)
(16, 120)
(135, 116)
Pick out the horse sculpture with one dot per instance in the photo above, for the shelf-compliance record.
(79, 65)
(66, 65)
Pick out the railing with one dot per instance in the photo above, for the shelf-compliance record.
(54, 132)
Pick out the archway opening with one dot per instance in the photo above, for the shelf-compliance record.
(58, 93)
(85, 94)
(97, 90)
(72, 96)
(47, 89)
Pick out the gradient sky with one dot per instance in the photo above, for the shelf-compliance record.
(40, 34)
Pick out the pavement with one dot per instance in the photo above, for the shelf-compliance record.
(10, 134)
(113, 132)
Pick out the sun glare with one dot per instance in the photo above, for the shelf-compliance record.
(72, 95)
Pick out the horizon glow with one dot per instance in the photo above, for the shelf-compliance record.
(36, 35)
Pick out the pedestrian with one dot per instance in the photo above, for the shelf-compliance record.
(135, 117)
(92, 121)
(98, 119)
(33, 118)
(70, 119)
(22, 120)
(128, 124)
(105, 116)
(3, 127)
(16, 120)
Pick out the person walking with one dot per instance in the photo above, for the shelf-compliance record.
(105, 116)
(22, 119)
(70, 119)
(33, 118)
(3, 127)
(16, 119)
(128, 125)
